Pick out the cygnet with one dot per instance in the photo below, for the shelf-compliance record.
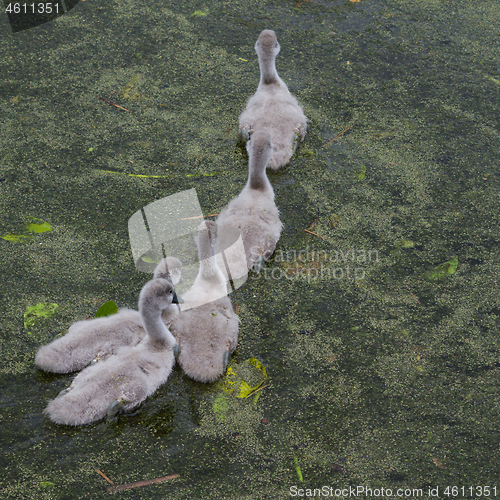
(128, 377)
(253, 214)
(272, 107)
(99, 338)
(207, 326)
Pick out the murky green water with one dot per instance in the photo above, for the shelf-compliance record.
(378, 376)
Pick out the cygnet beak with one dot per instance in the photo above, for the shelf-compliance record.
(177, 300)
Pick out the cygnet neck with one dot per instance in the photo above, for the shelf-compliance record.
(155, 296)
(268, 73)
(208, 262)
(158, 334)
(260, 154)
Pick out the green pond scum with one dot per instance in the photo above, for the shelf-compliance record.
(381, 372)
(442, 271)
(36, 314)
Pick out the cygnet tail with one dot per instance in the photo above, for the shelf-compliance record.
(59, 357)
(89, 339)
(128, 377)
(201, 365)
(78, 407)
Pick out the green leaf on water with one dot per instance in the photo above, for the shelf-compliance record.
(33, 227)
(34, 314)
(16, 238)
(297, 468)
(107, 309)
(38, 226)
(245, 378)
(401, 244)
(361, 173)
(46, 484)
(404, 244)
(149, 260)
(199, 13)
(442, 271)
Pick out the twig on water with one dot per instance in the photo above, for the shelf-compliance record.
(342, 133)
(144, 176)
(257, 390)
(314, 222)
(146, 482)
(305, 1)
(415, 297)
(112, 103)
(310, 232)
(104, 476)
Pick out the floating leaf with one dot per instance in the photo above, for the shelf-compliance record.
(334, 220)
(38, 226)
(34, 227)
(401, 244)
(361, 173)
(404, 244)
(130, 90)
(244, 379)
(199, 13)
(15, 238)
(46, 484)
(297, 468)
(442, 271)
(149, 260)
(34, 313)
(107, 309)
(492, 79)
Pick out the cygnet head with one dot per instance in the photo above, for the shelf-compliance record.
(157, 295)
(267, 44)
(267, 48)
(169, 269)
(260, 150)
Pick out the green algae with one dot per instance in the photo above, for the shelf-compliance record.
(443, 271)
(34, 315)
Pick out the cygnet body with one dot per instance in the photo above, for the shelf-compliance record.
(207, 326)
(129, 376)
(102, 337)
(253, 213)
(272, 107)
